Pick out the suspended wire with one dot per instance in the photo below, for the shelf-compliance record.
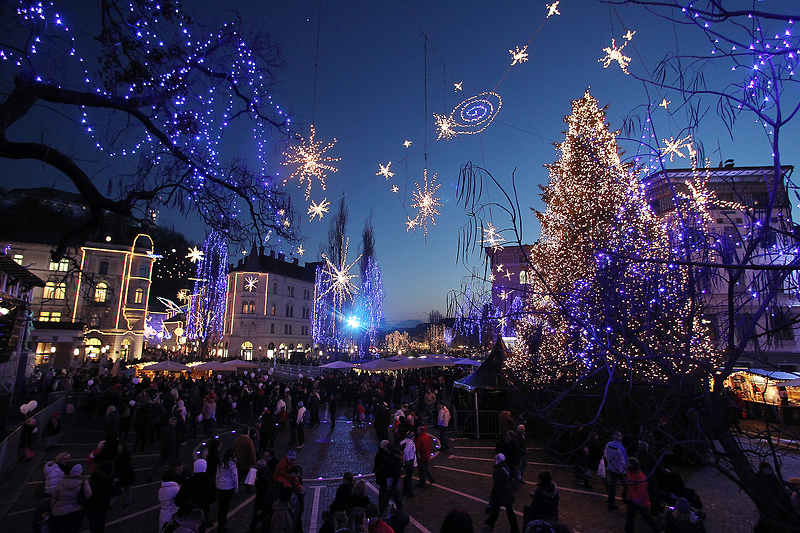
(316, 64)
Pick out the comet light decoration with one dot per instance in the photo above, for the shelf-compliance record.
(519, 55)
(552, 9)
(251, 283)
(384, 170)
(195, 255)
(673, 147)
(426, 203)
(615, 54)
(471, 116)
(206, 314)
(311, 162)
(315, 210)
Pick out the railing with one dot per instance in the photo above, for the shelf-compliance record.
(288, 370)
(477, 424)
(9, 448)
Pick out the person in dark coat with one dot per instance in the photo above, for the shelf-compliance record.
(168, 447)
(102, 484)
(544, 500)
(200, 489)
(392, 469)
(510, 448)
(502, 495)
(123, 471)
(650, 469)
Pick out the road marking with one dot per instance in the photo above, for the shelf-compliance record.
(465, 495)
(312, 527)
(471, 458)
(15, 513)
(463, 471)
(590, 493)
(127, 517)
(411, 519)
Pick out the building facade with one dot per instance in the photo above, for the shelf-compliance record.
(268, 312)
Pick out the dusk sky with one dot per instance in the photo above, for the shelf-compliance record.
(371, 96)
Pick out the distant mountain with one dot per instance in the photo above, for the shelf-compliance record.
(406, 324)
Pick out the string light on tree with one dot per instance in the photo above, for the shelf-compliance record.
(384, 170)
(195, 255)
(311, 161)
(552, 9)
(425, 201)
(315, 210)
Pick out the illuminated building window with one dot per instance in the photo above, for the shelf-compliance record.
(18, 258)
(103, 268)
(50, 316)
(247, 350)
(61, 266)
(244, 307)
(274, 309)
(101, 292)
(138, 296)
(93, 347)
(54, 291)
(126, 349)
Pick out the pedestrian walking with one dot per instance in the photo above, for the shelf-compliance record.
(409, 463)
(424, 446)
(616, 469)
(96, 506)
(502, 495)
(444, 422)
(166, 496)
(333, 405)
(66, 507)
(638, 500)
(227, 482)
(123, 472)
(301, 424)
(245, 451)
(168, 448)
(544, 500)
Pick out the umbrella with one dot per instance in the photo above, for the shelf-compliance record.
(238, 363)
(380, 365)
(468, 362)
(337, 365)
(790, 383)
(166, 366)
(214, 366)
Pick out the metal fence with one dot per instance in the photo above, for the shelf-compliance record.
(9, 448)
(292, 371)
(477, 424)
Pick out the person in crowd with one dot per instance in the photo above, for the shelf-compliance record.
(177, 518)
(650, 469)
(502, 495)
(168, 448)
(510, 448)
(333, 406)
(245, 450)
(111, 423)
(544, 500)
(212, 455)
(638, 500)
(166, 496)
(102, 484)
(227, 484)
(409, 449)
(283, 512)
(300, 421)
(54, 472)
(193, 523)
(357, 522)
(374, 522)
(392, 469)
(457, 521)
(199, 488)
(424, 446)
(343, 492)
(123, 472)
(443, 423)
(681, 519)
(616, 469)
(51, 431)
(358, 497)
(66, 505)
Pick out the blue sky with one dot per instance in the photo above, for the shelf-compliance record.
(372, 85)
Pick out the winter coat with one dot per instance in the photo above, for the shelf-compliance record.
(616, 457)
(199, 489)
(169, 441)
(637, 489)
(409, 450)
(282, 518)
(123, 468)
(424, 446)
(228, 477)
(544, 503)
(301, 414)
(52, 476)
(166, 495)
(245, 452)
(65, 496)
(102, 483)
(502, 493)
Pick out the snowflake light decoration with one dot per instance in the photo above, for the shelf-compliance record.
(615, 54)
(492, 237)
(519, 56)
(411, 223)
(300, 250)
(552, 9)
(315, 210)
(251, 283)
(444, 125)
(395, 189)
(426, 202)
(183, 295)
(384, 170)
(664, 103)
(195, 255)
(341, 284)
(673, 147)
(407, 143)
(312, 163)
(629, 35)
(458, 86)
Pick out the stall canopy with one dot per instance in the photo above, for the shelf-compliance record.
(238, 363)
(166, 366)
(381, 365)
(466, 362)
(214, 366)
(337, 365)
(489, 376)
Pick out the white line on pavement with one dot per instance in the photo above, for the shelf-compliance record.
(411, 519)
(127, 517)
(312, 527)
(465, 495)
(590, 493)
(470, 458)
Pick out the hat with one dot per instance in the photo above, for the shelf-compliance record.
(682, 506)
(794, 480)
(384, 444)
(110, 409)
(299, 404)
(199, 466)
(373, 511)
(76, 470)
(539, 526)
(499, 458)
(616, 435)
(291, 455)
(62, 457)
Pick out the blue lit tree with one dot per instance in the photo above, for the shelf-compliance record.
(151, 100)
(206, 313)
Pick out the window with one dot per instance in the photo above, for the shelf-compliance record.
(18, 258)
(275, 288)
(290, 292)
(523, 278)
(303, 330)
(143, 271)
(103, 269)
(274, 309)
(61, 266)
(55, 291)
(247, 350)
(101, 292)
(287, 329)
(50, 316)
(305, 312)
(138, 296)
(248, 308)
(783, 326)
(289, 311)
(306, 294)
(272, 328)
(244, 308)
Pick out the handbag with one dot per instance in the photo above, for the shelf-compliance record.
(601, 470)
(82, 494)
(251, 476)
(200, 417)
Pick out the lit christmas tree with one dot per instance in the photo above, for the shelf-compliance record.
(603, 291)
(205, 318)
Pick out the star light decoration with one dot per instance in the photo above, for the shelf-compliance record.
(250, 283)
(184, 295)
(312, 163)
(340, 277)
(615, 54)
(195, 255)
(492, 237)
(300, 250)
(458, 86)
(664, 103)
(552, 9)
(384, 170)
(315, 210)
(673, 147)
(407, 143)
(426, 202)
(445, 126)
(519, 56)
(395, 189)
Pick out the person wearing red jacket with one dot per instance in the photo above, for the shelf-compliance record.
(424, 446)
(638, 498)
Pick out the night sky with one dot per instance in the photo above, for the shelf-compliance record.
(371, 96)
